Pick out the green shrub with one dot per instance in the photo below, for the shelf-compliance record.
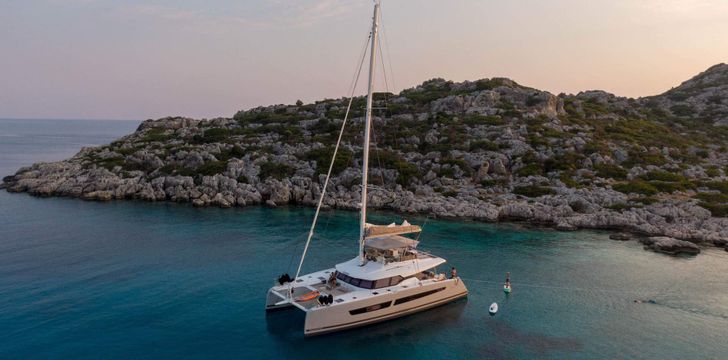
(566, 178)
(326, 126)
(719, 210)
(448, 172)
(428, 91)
(155, 134)
(460, 163)
(536, 140)
(621, 206)
(593, 147)
(211, 168)
(250, 117)
(475, 119)
(645, 158)
(529, 170)
(611, 171)
(450, 193)
(636, 187)
(721, 186)
(126, 151)
(663, 176)
(323, 156)
(486, 145)
(215, 135)
(593, 107)
(682, 110)
(235, 152)
(645, 200)
(533, 100)
(392, 160)
(712, 171)
(276, 170)
(668, 186)
(712, 197)
(488, 183)
(488, 84)
(568, 161)
(111, 163)
(493, 182)
(533, 190)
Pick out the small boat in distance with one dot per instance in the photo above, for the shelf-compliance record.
(388, 278)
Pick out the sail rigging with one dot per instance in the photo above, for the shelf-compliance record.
(354, 83)
(372, 40)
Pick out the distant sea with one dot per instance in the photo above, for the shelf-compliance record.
(24, 141)
(137, 280)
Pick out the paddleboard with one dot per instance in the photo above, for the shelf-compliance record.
(493, 308)
(506, 289)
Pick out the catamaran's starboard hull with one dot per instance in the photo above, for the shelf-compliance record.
(382, 307)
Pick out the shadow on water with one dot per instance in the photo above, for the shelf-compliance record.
(287, 326)
(507, 339)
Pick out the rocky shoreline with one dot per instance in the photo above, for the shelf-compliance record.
(490, 150)
(566, 210)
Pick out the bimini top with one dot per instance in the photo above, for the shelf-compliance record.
(390, 242)
(373, 231)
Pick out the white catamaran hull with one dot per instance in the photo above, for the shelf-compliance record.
(370, 308)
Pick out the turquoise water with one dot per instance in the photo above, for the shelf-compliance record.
(148, 280)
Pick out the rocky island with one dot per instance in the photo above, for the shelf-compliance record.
(487, 150)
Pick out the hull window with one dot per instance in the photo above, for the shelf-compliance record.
(416, 296)
(370, 308)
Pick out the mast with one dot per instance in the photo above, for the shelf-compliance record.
(367, 126)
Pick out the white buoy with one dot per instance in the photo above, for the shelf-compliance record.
(493, 308)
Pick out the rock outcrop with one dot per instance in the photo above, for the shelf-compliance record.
(670, 245)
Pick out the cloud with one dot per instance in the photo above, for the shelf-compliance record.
(312, 12)
(684, 7)
(300, 13)
(198, 18)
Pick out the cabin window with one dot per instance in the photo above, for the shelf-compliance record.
(416, 296)
(343, 277)
(394, 280)
(369, 284)
(370, 308)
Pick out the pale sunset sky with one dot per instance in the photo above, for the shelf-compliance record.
(134, 59)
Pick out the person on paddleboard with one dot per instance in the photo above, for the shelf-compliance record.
(507, 285)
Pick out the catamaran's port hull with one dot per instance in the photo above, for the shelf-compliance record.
(338, 317)
(274, 301)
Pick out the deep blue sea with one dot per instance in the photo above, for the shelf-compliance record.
(135, 280)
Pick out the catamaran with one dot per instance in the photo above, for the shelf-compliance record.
(387, 279)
